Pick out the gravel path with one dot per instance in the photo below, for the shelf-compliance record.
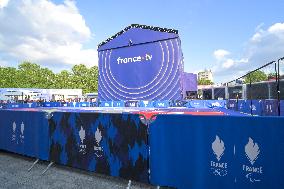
(14, 174)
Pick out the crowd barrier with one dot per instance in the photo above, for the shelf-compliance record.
(217, 152)
(256, 107)
(282, 107)
(186, 151)
(206, 103)
(25, 133)
(112, 144)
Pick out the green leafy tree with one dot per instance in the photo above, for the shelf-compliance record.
(31, 75)
(205, 82)
(271, 76)
(9, 77)
(256, 76)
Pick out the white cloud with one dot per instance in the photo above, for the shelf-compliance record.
(228, 63)
(276, 28)
(3, 3)
(220, 54)
(264, 46)
(46, 33)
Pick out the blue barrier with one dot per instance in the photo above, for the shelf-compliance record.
(196, 104)
(242, 106)
(232, 104)
(161, 104)
(94, 104)
(106, 103)
(131, 103)
(73, 104)
(206, 103)
(51, 104)
(146, 104)
(25, 133)
(112, 144)
(178, 103)
(216, 103)
(270, 108)
(84, 104)
(14, 105)
(282, 107)
(118, 104)
(217, 152)
(30, 105)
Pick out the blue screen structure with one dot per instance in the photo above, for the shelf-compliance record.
(149, 71)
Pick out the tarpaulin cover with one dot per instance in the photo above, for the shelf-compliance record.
(217, 152)
(112, 144)
(25, 133)
(150, 68)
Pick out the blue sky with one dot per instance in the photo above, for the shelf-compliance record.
(225, 27)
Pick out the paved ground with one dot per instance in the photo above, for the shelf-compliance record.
(14, 174)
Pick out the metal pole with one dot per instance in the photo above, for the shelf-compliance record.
(278, 84)
(250, 95)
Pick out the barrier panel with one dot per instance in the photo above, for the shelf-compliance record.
(282, 107)
(146, 104)
(106, 103)
(131, 103)
(178, 103)
(232, 104)
(196, 104)
(24, 133)
(161, 104)
(73, 104)
(111, 144)
(206, 103)
(30, 105)
(216, 103)
(14, 105)
(51, 104)
(118, 104)
(217, 152)
(270, 108)
(84, 104)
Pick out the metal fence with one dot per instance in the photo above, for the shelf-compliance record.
(263, 83)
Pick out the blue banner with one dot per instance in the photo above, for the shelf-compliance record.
(217, 152)
(232, 104)
(25, 133)
(270, 107)
(106, 103)
(51, 104)
(111, 144)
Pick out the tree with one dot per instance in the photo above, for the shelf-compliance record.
(31, 75)
(205, 82)
(271, 76)
(9, 77)
(256, 76)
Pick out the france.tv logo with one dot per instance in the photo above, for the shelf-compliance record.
(147, 57)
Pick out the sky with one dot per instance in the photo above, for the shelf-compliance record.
(228, 37)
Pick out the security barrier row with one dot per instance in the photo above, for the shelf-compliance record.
(186, 151)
